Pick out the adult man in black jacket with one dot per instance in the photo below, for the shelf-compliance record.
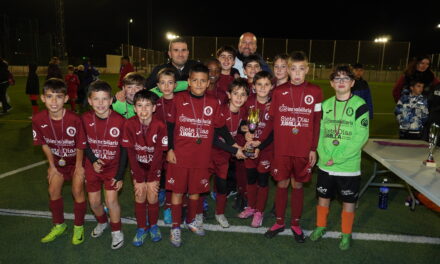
(178, 52)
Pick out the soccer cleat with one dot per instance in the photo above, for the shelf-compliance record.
(99, 229)
(176, 237)
(274, 230)
(300, 238)
(345, 241)
(196, 228)
(257, 221)
(199, 219)
(248, 212)
(167, 217)
(78, 235)
(139, 238)
(117, 239)
(161, 197)
(55, 232)
(222, 220)
(231, 193)
(155, 234)
(317, 233)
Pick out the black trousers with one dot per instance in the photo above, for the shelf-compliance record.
(3, 89)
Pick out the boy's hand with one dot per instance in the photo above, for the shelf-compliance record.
(252, 144)
(120, 96)
(329, 163)
(240, 154)
(97, 165)
(51, 173)
(256, 153)
(248, 136)
(171, 157)
(153, 187)
(117, 185)
(79, 172)
(312, 158)
(140, 189)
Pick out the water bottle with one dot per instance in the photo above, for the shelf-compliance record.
(383, 195)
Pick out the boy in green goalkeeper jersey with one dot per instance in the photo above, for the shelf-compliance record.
(344, 131)
(132, 83)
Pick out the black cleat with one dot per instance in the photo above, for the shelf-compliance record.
(271, 233)
(300, 238)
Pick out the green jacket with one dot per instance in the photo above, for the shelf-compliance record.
(123, 108)
(353, 134)
(181, 86)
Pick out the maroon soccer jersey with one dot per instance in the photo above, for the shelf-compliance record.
(264, 119)
(195, 119)
(163, 109)
(148, 144)
(222, 87)
(104, 137)
(296, 113)
(62, 136)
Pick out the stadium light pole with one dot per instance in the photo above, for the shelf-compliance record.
(130, 21)
(384, 41)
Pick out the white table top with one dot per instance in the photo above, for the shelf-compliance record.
(406, 162)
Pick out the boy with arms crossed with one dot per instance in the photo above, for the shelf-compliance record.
(60, 133)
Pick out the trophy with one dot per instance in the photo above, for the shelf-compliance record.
(253, 120)
(434, 131)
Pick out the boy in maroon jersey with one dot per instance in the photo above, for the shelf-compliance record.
(234, 114)
(194, 117)
(145, 139)
(60, 133)
(280, 70)
(258, 167)
(214, 75)
(72, 82)
(251, 66)
(296, 114)
(166, 84)
(106, 160)
(226, 56)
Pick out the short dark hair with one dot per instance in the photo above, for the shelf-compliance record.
(145, 95)
(282, 56)
(167, 72)
(345, 69)
(357, 66)
(55, 85)
(227, 49)
(263, 75)
(415, 81)
(297, 56)
(198, 67)
(125, 58)
(133, 78)
(239, 83)
(177, 40)
(99, 86)
(213, 60)
(252, 58)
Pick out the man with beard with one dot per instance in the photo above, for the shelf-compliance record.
(247, 46)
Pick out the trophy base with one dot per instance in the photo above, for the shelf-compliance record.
(429, 163)
(249, 154)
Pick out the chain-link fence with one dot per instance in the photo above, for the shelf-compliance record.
(324, 53)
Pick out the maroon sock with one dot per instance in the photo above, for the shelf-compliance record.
(140, 211)
(116, 226)
(280, 204)
(101, 219)
(200, 205)
(191, 211)
(185, 200)
(168, 199)
(261, 198)
(79, 211)
(176, 214)
(240, 175)
(220, 204)
(153, 213)
(57, 209)
(296, 205)
(252, 195)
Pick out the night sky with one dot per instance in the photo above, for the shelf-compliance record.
(104, 22)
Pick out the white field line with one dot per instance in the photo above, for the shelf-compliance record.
(9, 173)
(246, 229)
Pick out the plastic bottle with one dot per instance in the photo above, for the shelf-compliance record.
(383, 195)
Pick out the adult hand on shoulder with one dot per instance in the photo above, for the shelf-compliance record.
(120, 96)
(330, 163)
(171, 157)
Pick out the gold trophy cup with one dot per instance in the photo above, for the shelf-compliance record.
(434, 131)
(253, 120)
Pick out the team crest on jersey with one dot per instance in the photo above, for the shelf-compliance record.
(114, 132)
(349, 111)
(34, 134)
(171, 181)
(71, 131)
(364, 122)
(309, 99)
(165, 141)
(266, 116)
(154, 138)
(207, 111)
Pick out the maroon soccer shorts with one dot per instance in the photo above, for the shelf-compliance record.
(67, 172)
(262, 163)
(286, 167)
(95, 180)
(186, 180)
(219, 166)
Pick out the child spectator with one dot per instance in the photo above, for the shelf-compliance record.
(361, 87)
(72, 83)
(33, 87)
